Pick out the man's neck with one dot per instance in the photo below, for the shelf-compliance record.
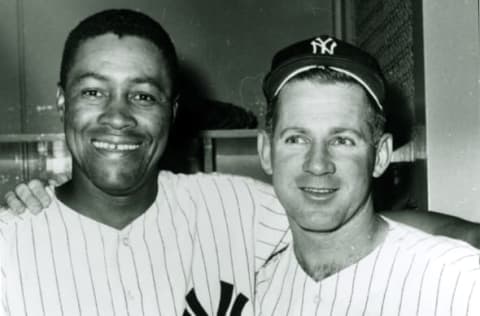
(322, 254)
(117, 211)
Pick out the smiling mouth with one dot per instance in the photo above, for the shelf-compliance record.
(318, 190)
(320, 193)
(114, 146)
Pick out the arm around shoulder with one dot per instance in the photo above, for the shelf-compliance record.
(439, 224)
(32, 196)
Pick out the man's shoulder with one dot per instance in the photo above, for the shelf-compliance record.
(11, 221)
(168, 176)
(219, 182)
(18, 223)
(12, 225)
(437, 250)
(8, 219)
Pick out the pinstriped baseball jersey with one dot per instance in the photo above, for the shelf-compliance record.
(410, 273)
(239, 224)
(62, 263)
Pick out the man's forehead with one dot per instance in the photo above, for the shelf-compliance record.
(322, 94)
(108, 41)
(126, 58)
(323, 105)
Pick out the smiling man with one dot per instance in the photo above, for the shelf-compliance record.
(91, 252)
(324, 143)
(117, 101)
(123, 237)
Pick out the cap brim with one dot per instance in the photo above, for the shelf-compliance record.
(373, 83)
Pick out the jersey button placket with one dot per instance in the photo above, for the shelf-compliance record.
(127, 271)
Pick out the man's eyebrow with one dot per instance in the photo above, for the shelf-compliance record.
(89, 74)
(149, 80)
(292, 129)
(97, 76)
(354, 131)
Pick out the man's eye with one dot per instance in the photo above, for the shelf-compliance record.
(296, 139)
(143, 98)
(342, 141)
(91, 93)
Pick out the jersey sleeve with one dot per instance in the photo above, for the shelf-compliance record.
(271, 224)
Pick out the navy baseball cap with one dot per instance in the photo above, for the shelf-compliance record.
(325, 51)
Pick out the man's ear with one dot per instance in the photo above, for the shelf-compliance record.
(383, 155)
(61, 102)
(264, 151)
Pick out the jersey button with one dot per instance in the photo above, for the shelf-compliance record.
(125, 241)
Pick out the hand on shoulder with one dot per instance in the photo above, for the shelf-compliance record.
(32, 196)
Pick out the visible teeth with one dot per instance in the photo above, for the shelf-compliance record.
(111, 146)
(126, 147)
(315, 190)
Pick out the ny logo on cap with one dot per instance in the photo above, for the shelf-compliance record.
(326, 46)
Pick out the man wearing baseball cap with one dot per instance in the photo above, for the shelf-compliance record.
(324, 142)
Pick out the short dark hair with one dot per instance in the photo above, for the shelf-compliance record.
(376, 116)
(122, 22)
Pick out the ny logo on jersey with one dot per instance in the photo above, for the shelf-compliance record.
(325, 46)
(226, 300)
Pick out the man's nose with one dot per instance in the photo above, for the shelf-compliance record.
(117, 114)
(318, 160)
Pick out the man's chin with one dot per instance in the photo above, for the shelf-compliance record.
(118, 191)
(320, 225)
(119, 186)
(320, 229)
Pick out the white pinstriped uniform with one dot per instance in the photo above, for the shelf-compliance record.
(236, 232)
(410, 273)
(62, 263)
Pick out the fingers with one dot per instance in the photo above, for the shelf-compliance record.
(32, 196)
(14, 203)
(27, 197)
(39, 191)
